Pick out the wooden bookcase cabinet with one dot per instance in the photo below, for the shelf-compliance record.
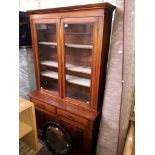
(70, 46)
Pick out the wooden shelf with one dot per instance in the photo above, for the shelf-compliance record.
(69, 78)
(47, 43)
(75, 33)
(24, 129)
(79, 46)
(49, 63)
(50, 74)
(23, 104)
(86, 70)
(27, 123)
(78, 81)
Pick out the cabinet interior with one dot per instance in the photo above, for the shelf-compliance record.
(78, 45)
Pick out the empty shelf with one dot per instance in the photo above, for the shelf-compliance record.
(50, 74)
(24, 129)
(49, 63)
(77, 33)
(78, 81)
(47, 43)
(70, 67)
(69, 78)
(80, 69)
(79, 46)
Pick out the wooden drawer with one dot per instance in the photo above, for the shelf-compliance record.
(72, 117)
(44, 106)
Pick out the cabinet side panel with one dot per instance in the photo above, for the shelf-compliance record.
(34, 48)
(104, 56)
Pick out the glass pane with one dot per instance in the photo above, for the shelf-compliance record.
(78, 58)
(47, 52)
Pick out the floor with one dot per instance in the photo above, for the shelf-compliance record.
(44, 150)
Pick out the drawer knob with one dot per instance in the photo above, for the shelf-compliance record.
(71, 117)
(42, 106)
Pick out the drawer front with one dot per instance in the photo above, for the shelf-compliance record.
(72, 117)
(44, 106)
(50, 109)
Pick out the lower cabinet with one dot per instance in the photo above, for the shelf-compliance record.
(42, 118)
(75, 126)
(76, 133)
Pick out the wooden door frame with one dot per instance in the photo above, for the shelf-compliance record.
(36, 57)
(93, 87)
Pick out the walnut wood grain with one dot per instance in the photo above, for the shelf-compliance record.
(73, 8)
(79, 117)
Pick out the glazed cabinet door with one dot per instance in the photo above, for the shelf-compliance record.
(45, 38)
(79, 45)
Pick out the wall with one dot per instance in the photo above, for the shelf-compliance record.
(26, 72)
(39, 4)
(112, 127)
